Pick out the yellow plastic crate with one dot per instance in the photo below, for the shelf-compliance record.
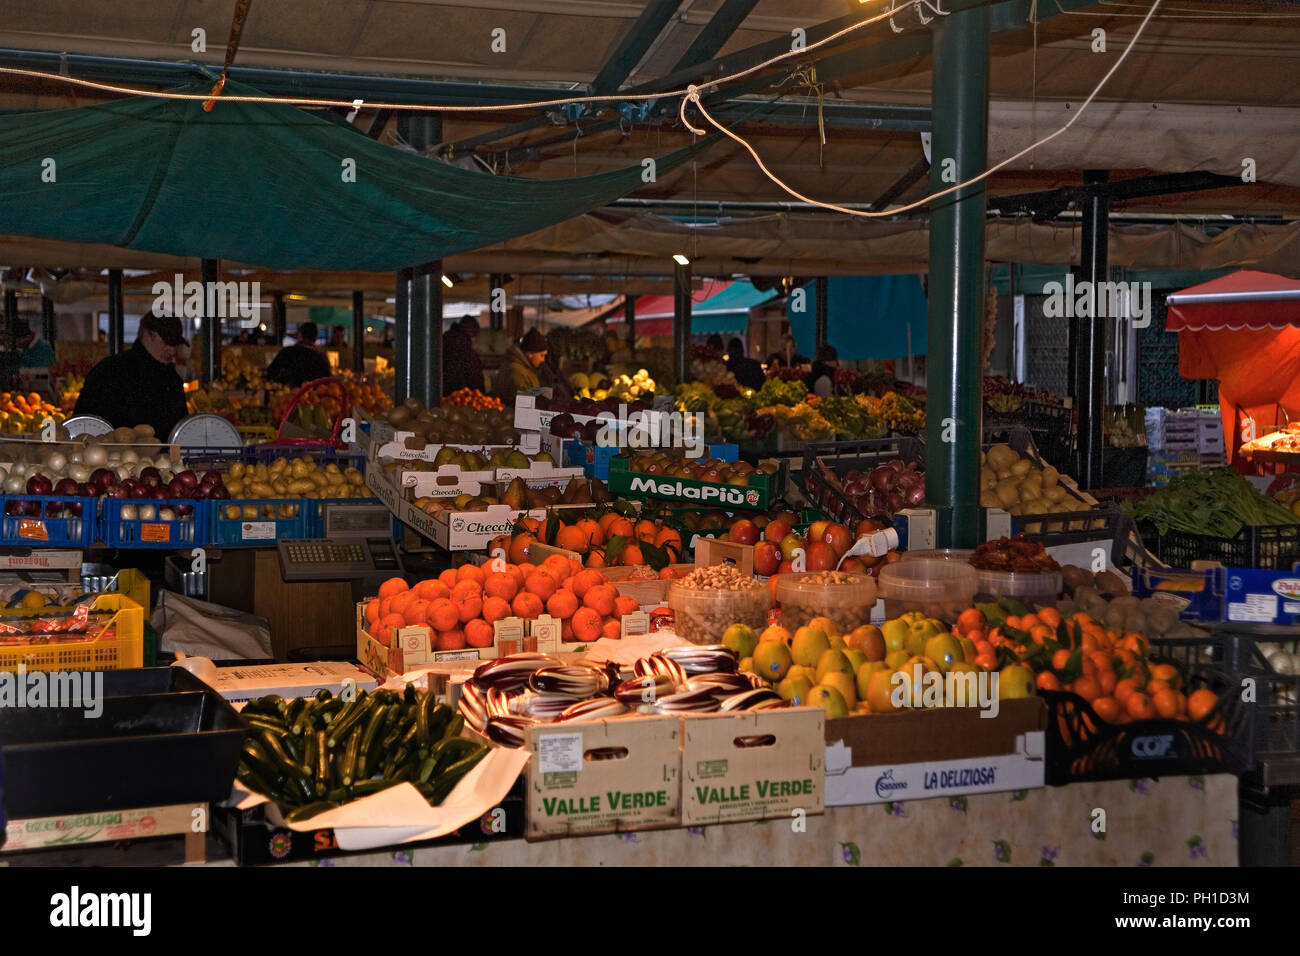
(135, 585)
(121, 652)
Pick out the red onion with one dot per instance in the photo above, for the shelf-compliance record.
(66, 487)
(917, 495)
(103, 478)
(882, 477)
(38, 484)
(74, 509)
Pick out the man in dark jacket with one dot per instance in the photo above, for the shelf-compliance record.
(139, 386)
(747, 371)
(300, 362)
(461, 365)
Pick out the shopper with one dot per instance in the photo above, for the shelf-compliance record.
(519, 368)
(461, 365)
(139, 386)
(789, 356)
(37, 353)
(821, 380)
(300, 362)
(748, 372)
(338, 338)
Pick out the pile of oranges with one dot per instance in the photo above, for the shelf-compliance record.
(473, 398)
(25, 413)
(610, 540)
(1108, 668)
(461, 604)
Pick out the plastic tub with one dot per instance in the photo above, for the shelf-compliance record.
(701, 615)
(937, 587)
(942, 554)
(1040, 587)
(847, 599)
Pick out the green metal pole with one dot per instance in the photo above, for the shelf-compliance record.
(954, 350)
(682, 322)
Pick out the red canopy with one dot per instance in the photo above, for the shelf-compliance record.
(1242, 300)
(1244, 330)
(654, 313)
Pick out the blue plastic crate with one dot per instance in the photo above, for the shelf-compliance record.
(188, 532)
(317, 527)
(259, 522)
(48, 525)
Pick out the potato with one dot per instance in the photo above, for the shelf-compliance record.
(1050, 477)
(1128, 602)
(1001, 457)
(1162, 620)
(318, 479)
(299, 469)
(988, 499)
(235, 487)
(123, 436)
(1112, 582)
(988, 478)
(1008, 492)
(1021, 468)
(301, 486)
(237, 470)
(261, 489)
(1135, 621)
(1055, 493)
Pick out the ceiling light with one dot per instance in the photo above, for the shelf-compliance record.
(446, 280)
(681, 260)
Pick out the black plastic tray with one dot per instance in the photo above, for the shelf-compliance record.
(147, 749)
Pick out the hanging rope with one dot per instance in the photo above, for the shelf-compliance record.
(232, 47)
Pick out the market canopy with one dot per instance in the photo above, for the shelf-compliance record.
(867, 317)
(1242, 300)
(266, 184)
(715, 308)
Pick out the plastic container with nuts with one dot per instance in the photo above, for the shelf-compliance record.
(709, 600)
(937, 587)
(847, 599)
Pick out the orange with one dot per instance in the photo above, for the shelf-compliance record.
(1139, 706)
(495, 608)
(595, 559)
(1102, 661)
(431, 590)
(625, 605)
(1167, 673)
(557, 566)
(619, 527)
(612, 629)
(1013, 622)
(453, 640)
(1049, 616)
(469, 606)
(592, 531)
(1047, 681)
(479, 634)
(1156, 686)
(1040, 633)
(387, 625)
(531, 525)
(1081, 617)
(575, 566)
(631, 555)
(448, 578)
(1166, 702)
(1107, 708)
(526, 605)
(584, 581)
(586, 624)
(470, 572)
(443, 614)
(372, 611)
(1124, 689)
(541, 584)
(519, 547)
(562, 604)
(971, 620)
(1060, 659)
(1029, 622)
(601, 599)
(499, 543)
(1107, 680)
(572, 538)
(987, 661)
(605, 520)
(1200, 703)
(401, 602)
(646, 530)
(1086, 687)
(566, 630)
(392, 586)
(465, 589)
(516, 572)
(501, 584)
(416, 612)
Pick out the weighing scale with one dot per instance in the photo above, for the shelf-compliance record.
(358, 545)
(205, 430)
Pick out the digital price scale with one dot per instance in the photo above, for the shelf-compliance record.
(358, 545)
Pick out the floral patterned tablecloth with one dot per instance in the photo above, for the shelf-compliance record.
(1176, 821)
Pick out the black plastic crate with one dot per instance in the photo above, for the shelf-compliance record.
(839, 457)
(1123, 467)
(1045, 417)
(1075, 527)
(1271, 547)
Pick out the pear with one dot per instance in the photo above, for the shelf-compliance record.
(446, 456)
(515, 495)
(517, 459)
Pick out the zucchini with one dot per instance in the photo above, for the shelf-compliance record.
(454, 728)
(369, 752)
(365, 788)
(451, 751)
(307, 811)
(258, 722)
(296, 707)
(348, 769)
(453, 774)
(323, 694)
(342, 726)
(322, 763)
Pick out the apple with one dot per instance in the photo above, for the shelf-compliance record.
(767, 559)
(817, 530)
(776, 530)
(853, 565)
(785, 567)
(838, 537)
(744, 531)
(789, 544)
(820, 557)
(868, 526)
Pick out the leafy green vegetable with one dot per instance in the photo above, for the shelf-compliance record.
(1217, 502)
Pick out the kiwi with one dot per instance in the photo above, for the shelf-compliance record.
(1162, 620)
(1111, 582)
(399, 415)
(1074, 577)
(414, 404)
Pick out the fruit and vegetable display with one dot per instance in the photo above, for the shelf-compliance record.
(673, 463)
(518, 496)
(452, 424)
(1124, 426)
(1013, 482)
(301, 477)
(614, 382)
(469, 460)
(605, 539)
(1289, 498)
(473, 398)
(884, 490)
(461, 604)
(1104, 597)
(505, 697)
(25, 414)
(313, 754)
(1003, 395)
(779, 549)
(1217, 502)
(319, 407)
(899, 413)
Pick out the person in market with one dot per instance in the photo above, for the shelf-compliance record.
(37, 353)
(338, 338)
(139, 386)
(520, 368)
(300, 362)
(461, 365)
(788, 356)
(821, 380)
(748, 372)
(552, 378)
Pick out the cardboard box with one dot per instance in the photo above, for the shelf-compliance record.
(711, 551)
(447, 481)
(753, 766)
(539, 475)
(760, 492)
(573, 792)
(412, 647)
(594, 459)
(1256, 596)
(287, 680)
(945, 752)
(474, 530)
(75, 829)
(37, 559)
(1197, 596)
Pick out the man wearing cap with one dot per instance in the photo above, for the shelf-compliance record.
(139, 386)
(300, 362)
(519, 368)
(37, 353)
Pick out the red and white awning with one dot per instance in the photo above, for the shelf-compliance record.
(1242, 300)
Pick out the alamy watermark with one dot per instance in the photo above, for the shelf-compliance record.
(75, 690)
(1106, 300)
(194, 300)
(921, 688)
(640, 429)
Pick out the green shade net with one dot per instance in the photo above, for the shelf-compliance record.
(263, 184)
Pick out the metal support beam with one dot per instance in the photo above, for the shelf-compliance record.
(953, 429)
(419, 305)
(716, 32)
(210, 269)
(378, 122)
(821, 317)
(1088, 376)
(359, 332)
(11, 312)
(634, 45)
(1050, 203)
(682, 322)
(49, 327)
(629, 313)
(402, 386)
(496, 301)
(116, 317)
(279, 318)
(902, 185)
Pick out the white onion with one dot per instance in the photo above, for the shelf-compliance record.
(114, 457)
(19, 468)
(148, 512)
(96, 456)
(56, 461)
(123, 472)
(145, 462)
(14, 485)
(76, 458)
(163, 463)
(79, 473)
(129, 512)
(166, 514)
(130, 455)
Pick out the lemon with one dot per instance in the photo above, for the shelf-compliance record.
(808, 646)
(741, 639)
(34, 599)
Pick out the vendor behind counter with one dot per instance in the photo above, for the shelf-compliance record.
(139, 386)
